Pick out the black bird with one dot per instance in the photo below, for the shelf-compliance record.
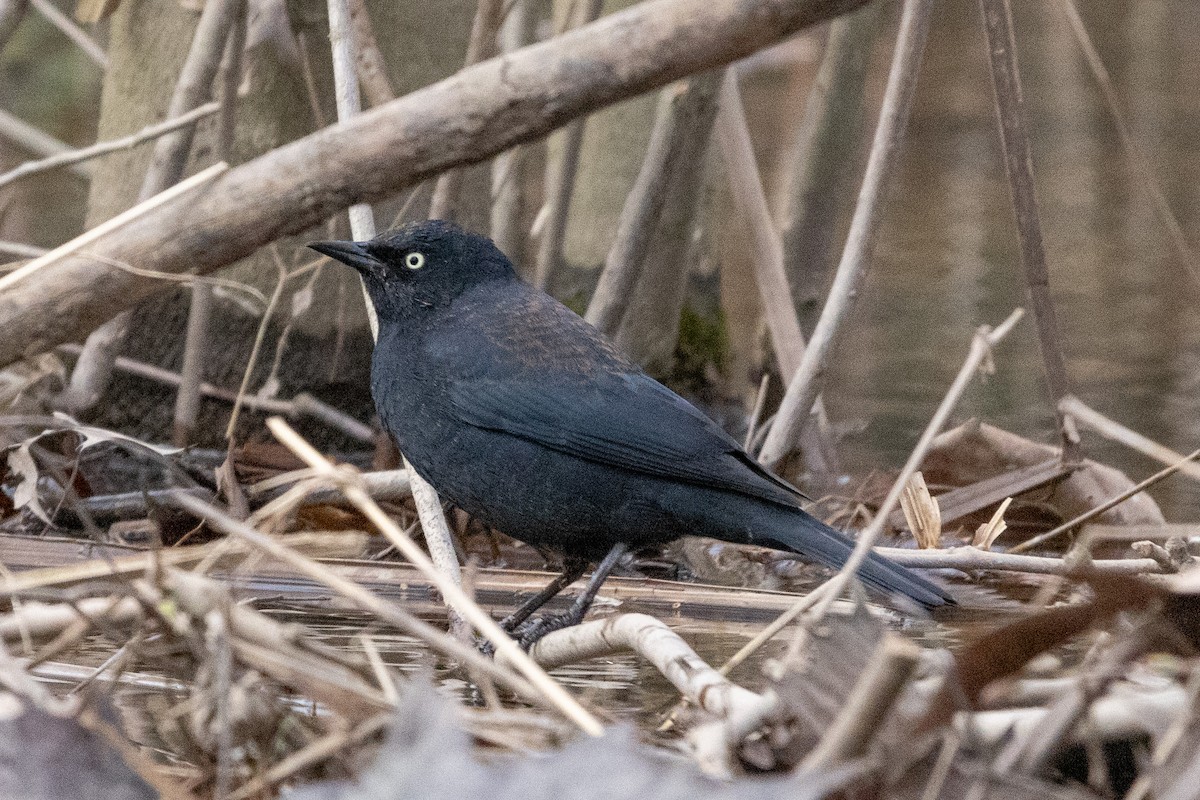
(520, 413)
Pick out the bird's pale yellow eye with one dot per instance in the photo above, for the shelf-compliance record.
(414, 260)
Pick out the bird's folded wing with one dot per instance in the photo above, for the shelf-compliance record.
(627, 421)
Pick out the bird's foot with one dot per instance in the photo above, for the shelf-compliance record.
(528, 634)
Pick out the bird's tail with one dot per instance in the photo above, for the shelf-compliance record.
(801, 533)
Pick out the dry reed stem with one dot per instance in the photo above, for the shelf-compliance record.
(453, 593)
(805, 382)
(826, 593)
(969, 558)
(1018, 165)
(684, 112)
(745, 182)
(362, 227)
(260, 336)
(191, 373)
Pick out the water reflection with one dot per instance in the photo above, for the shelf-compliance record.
(948, 261)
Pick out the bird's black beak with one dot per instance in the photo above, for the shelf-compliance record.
(352, 254)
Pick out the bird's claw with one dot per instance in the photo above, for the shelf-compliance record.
(528, 634)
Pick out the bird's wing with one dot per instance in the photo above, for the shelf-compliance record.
(625, 420)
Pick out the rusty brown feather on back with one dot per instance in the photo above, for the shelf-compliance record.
(538, 332)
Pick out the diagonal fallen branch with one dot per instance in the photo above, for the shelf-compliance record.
(466, 118)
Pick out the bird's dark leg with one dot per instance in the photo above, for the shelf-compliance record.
(573, 568)
(530, 633)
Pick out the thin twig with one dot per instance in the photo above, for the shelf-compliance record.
(302, 404)
(778, 624)
(73, 157)
(806, 381)
(760, 402)
(453, 593)
(260, 336)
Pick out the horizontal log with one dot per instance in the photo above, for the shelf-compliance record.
(472, 115)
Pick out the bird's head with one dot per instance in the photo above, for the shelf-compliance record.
(420, 265)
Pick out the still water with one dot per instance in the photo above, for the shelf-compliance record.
(948, 261)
